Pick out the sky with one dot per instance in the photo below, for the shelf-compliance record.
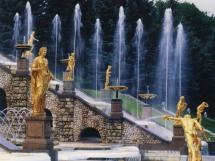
(204, 5)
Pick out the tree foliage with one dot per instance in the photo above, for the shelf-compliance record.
(199, 27)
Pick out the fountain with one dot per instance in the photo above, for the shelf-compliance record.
(77, 37)
(16, 31)
(147, 96)
(180, 48)
(56, 32)
(119, 60)
(28, 20)
(165, 71)
(138, 38)
(98, 43)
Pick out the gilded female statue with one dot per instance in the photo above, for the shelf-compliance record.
(40, 79)
(70, 67)
(107, 79)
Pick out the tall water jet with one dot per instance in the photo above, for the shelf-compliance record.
(77, 38)
(16, 32)
(56, 32)
(165, 75)
(77, 26)
(138, 42)
(28, 20)
(119, 60)
(98, 44)
(180, 50)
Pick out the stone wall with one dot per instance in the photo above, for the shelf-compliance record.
(133, 134)
(20, 92)
(71, 115)
(5, 84)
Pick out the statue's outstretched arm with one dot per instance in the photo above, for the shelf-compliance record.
(168, 117)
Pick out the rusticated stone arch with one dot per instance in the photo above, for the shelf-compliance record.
(52, 104)
(90, 134)
(87, 117)
(3, 99)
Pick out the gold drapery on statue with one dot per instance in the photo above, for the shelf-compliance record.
(40, 79)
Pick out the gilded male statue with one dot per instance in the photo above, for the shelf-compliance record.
(40, 79)
(190, 126)
(30, 43)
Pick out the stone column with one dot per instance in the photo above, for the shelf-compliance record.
(116, 109)
(68, 84)
(65, 119)
(38, 134)
(22, 66)
(20, 92)
(115, 122)
(178, 140)
(114, 131)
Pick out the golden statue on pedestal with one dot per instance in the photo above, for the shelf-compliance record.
(181, 106)
(200, 110)
(40, 79)
(31, 44)
(190, 126)
(107, 78)
(69, 76)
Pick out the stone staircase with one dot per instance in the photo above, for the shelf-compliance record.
(169, 156)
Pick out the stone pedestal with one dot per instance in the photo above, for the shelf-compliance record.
(116, 109)
(178, 140)
(69, 87)
(38, 134)
(22, 66)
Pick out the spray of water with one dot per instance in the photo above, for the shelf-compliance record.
(77, 25)
(180, 50)
(165, 66)
(138, 38)
(77, 39)
(119, 60)
(16, 32)
(56, 32)
(98, 44)
(29, 20)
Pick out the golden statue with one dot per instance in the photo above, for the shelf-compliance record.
(30, 43)
(190, 126)
(40, 79)
(200, 110)
(70, 67)
(107, 80)
(181, 106)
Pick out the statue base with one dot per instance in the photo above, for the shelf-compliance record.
(22, 66)
(106, 95)
(69, 88)
(116, 109)
(38, 134)
(178, 140)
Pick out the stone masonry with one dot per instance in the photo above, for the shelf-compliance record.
(71, 115)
